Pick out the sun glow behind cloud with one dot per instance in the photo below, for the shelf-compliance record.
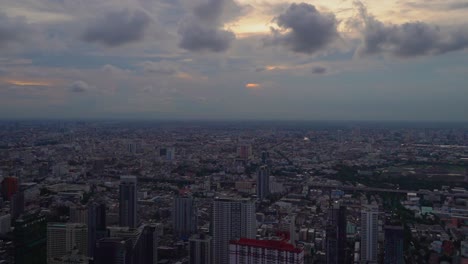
(252, 86)
(28, 83)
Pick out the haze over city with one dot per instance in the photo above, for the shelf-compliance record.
(225, 59)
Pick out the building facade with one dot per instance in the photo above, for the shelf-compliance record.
(184, 217)
(200, 249)
(263, 182)
(128, 201)
(369, 234)
(249, 251)
(232, 219)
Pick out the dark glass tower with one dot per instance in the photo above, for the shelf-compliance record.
(336, 235)
(128, 201)
(393, 244)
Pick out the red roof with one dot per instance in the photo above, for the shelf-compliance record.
(269, 244)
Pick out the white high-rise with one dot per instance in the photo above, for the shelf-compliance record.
(369, 234)
(232, 219)
(63, 238)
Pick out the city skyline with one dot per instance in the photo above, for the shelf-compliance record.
(225, 59)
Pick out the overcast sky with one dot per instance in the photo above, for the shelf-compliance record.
(226, 59)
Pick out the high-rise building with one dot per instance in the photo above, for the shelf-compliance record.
(10, 186)
(128, 201)
(17, 204)
(393, 244)
(113, 250)
(143, 242)
(336, 235)
(167, 153)
(78, 214)
(232, 219)
(96, 225)
(184, 217)
(63, 238)
(200, 249)
(30, 237)
(245, 251)
(369, 234)
(263, 182)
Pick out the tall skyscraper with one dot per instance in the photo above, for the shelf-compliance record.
(96, 222)
(128, 201)
(184, 217)
(244, 251)
(369, 234)
(63, 238)
(30, 237)
(232, 219)
(393, 244)
(113, 250)
(263, 182)
(336, 235)
(200, 249)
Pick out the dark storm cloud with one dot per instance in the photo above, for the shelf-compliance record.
(203, 29)
(409, 39)
(118, 27)
(12, 30)
(304, 29)
(79, 87)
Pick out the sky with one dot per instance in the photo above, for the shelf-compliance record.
(227, 59)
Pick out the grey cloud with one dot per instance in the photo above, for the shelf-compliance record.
(203, 29)
(196, 37)
(219, 11)
(12, 30)
(304, 29)
(79, 87)
(409, 39)
(319, 70)
(118, 27)
(159, 68)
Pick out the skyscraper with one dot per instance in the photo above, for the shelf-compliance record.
(184, 217)
(200, 249)
(113, 250)
(128, 201)
(369, 234)
(393, 244)
(30, 236)
(336, 235)
(96, 222)
(232, 219)
(263, 182)
(63, 238)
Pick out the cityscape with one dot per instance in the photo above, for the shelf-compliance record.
(233, 192)
(233, 132)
